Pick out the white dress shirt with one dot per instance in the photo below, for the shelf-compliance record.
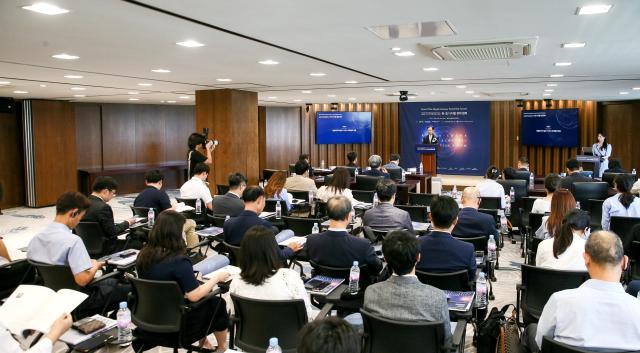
(491, 188)
(195, 188)
(612, 207)
(598, 314)
(570, 260)
(541, 205)
(9, 345)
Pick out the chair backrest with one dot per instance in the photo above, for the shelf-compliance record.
(14, 274)
(421, 199)
(92, 237)
(549, 345)
(532, 248)
(540, 283)
(455, 281)
(217, 219)
(292, 168)
(527, 203)
(583, 191)
(56, 277)
(141, 211)
(623, 226)
(352, 171)
(192, 214)
(363, 196)
(327, 179)
(492, 212)
(417, 213)
(156, 313)
(395, 173)
(367, 182)
(234, 253)
(519, 187)
(270, 206)
(259, 320)
(338, 272)
(301, 226)
(321, 209)
(479, 243)
(384, 335)
(267, 173)
(299, 194)
(222, 189)
(519, 175)
(595, 210)
(376, 235)
(535, 221)
(490, 203)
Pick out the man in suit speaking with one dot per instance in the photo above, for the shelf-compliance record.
(430, 139)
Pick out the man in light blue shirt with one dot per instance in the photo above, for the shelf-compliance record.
(394, 162)
(598, 315)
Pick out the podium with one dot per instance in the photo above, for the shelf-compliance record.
(428, 154)
(591, 163)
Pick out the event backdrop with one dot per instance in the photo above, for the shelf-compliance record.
(462, 129)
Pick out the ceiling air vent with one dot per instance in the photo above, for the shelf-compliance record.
(485, 51)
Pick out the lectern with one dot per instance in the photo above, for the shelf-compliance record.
(590, 163)
(428, 157)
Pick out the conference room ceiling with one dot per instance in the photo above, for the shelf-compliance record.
(119, 42)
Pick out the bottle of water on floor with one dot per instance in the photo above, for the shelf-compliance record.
(273, 346)
(481, 291)
(491, 248)
(315, 229)
(278, 210)
(354, 278)
(124, 325)
(504, 228)
(578, 204)
(151, 217)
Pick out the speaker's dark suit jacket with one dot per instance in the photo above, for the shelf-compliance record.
(441, 253)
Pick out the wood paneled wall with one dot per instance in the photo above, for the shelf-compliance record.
(280, 126)
(505, 135)
(11, 161)
(620, 122)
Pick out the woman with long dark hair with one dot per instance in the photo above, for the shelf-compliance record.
(339, 185)
(624, 203)
(602, 149)
(565, 250)
(164, 259)
(275, 188)
(561, 204)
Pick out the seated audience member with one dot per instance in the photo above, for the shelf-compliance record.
(543, 205)
(523, 163)
(573, 175)
(598, 315)
(235, 228)
(472, 223)
(8, 344)
(394, 162)
(352, 157)
(164, 259)
(439, 251)
(489, 187)
(615, 167)
(565, 250)
(305, 158)
(104, 189)
(635, 189)
(375, 162)
(624, 203)
(522, 166)
(385, 215)
(338, 186)
(57, 245)
(561, 204)
(263, 276)
(231, 203)
(336, 247)
(4, 253)
(403, 297)
(329, 335)
(153, 196)
(275, 189)
(197, 187)
(301, 181)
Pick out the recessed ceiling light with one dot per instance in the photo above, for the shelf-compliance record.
(317, 74)
(593, 9)
(4, 82)
(190, 44)
(546, 94)
(268, 62)
(476, 96)
(404, 53)
(432, 93)
(78, 88)
(623, 92)
(20, 92)
(412, 97)
(461, 86)
(144, 84)
(64, 56)
(171, 101)
(272, 97)
(224, 79)
(430, 69)
(447, 78)
(563, 63)
(548, 90)
(133, 92)
(73, 76)
(556, 75)
(396, 49)
(470, 92)
(351, 98)
(636, 88)
(79, 95)
(574, 45)
(378, 89)
(331, 95)
(552, 84)
(306, 92)
(184, 97)
(44, 8)
(351, 82)
(297, 100)
(161, 71)
(134, 99)
(43, 85)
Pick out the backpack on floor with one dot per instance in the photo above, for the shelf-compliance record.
(499, 333)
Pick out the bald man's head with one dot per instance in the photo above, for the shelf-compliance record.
(471, 197)
(604, 249)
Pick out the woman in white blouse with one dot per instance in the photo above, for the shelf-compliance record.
(624, 203)
(4, 253)
(603, 150)
(338, 186)
(565, 251)
(543, 205)
(262, 276)
(45, 345)
(489, 187)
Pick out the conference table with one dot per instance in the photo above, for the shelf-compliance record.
(402, 194)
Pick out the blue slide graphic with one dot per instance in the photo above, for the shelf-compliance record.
(550, 128)
(343, 127)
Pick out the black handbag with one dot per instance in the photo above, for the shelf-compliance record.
(492, 331)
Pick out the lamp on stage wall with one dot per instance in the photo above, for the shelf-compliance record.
(334, 106)
(548, 103)
(519, 103)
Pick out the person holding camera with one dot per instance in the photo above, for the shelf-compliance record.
(200, 149)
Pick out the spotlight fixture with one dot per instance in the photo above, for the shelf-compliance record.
(404, 95)
(519, 103)
(334, 106)
(548, 103)
(308, 106)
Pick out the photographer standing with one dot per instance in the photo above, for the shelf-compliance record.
(197, 143)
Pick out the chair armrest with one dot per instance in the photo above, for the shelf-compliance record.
(195, 305)
(202, 243)
(105, 276)
(326, 311)
(458, 335)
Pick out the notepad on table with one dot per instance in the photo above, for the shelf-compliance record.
(210, 232)
(322, 285)
(459, 301)
(265, 215)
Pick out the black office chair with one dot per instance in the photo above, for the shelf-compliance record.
(609, 178)
(341, 272)
(141, 211)
(222, 189)
(395, 173)
(519, 187)
(491, 203)
(234, 253)
(623, 227)
(519, 175)
(93, 239)
(198, 218)
(217, 219)
(267, 173)
(532, 250)
(634, 258)
(352, 171)
(366, 182)
(416, 199)
(321, 209)
(376, 235)
(15, 273)
(363, 196)
(327, 179)
(417, 213)
(256, 321)
(537, 286)
(527, 205)
(161, 319)
(583, 191)
(299, 194)
(384, 335)
(301, 226)
(270, 206)
(550, 345)
(454, 281)
(595, 210)
(493, 212)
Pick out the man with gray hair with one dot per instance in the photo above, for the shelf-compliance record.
(598, 315)
(375, 161)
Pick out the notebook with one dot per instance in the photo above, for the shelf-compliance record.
(210, 232)
(322, 285)
(74, 336)
(459, 301)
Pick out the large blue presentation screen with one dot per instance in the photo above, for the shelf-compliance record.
(550, 128)
(343, 127)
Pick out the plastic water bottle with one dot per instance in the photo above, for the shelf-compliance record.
(504, 229)
(507, 206)
(578, 204)
(532, 181)
(151, 217)
(226, 218)
(376, 200)
(312, 197)
(512, 195)
(402, 176)
(198, 207)
(273, 346)
(354, 278)
(421, 168)
(454, 192)
(322, 164)
(315, 229)
(491, 248)
(124, 325)
(633, 172)
(355, 174)
(278, 210)
(481, 291)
